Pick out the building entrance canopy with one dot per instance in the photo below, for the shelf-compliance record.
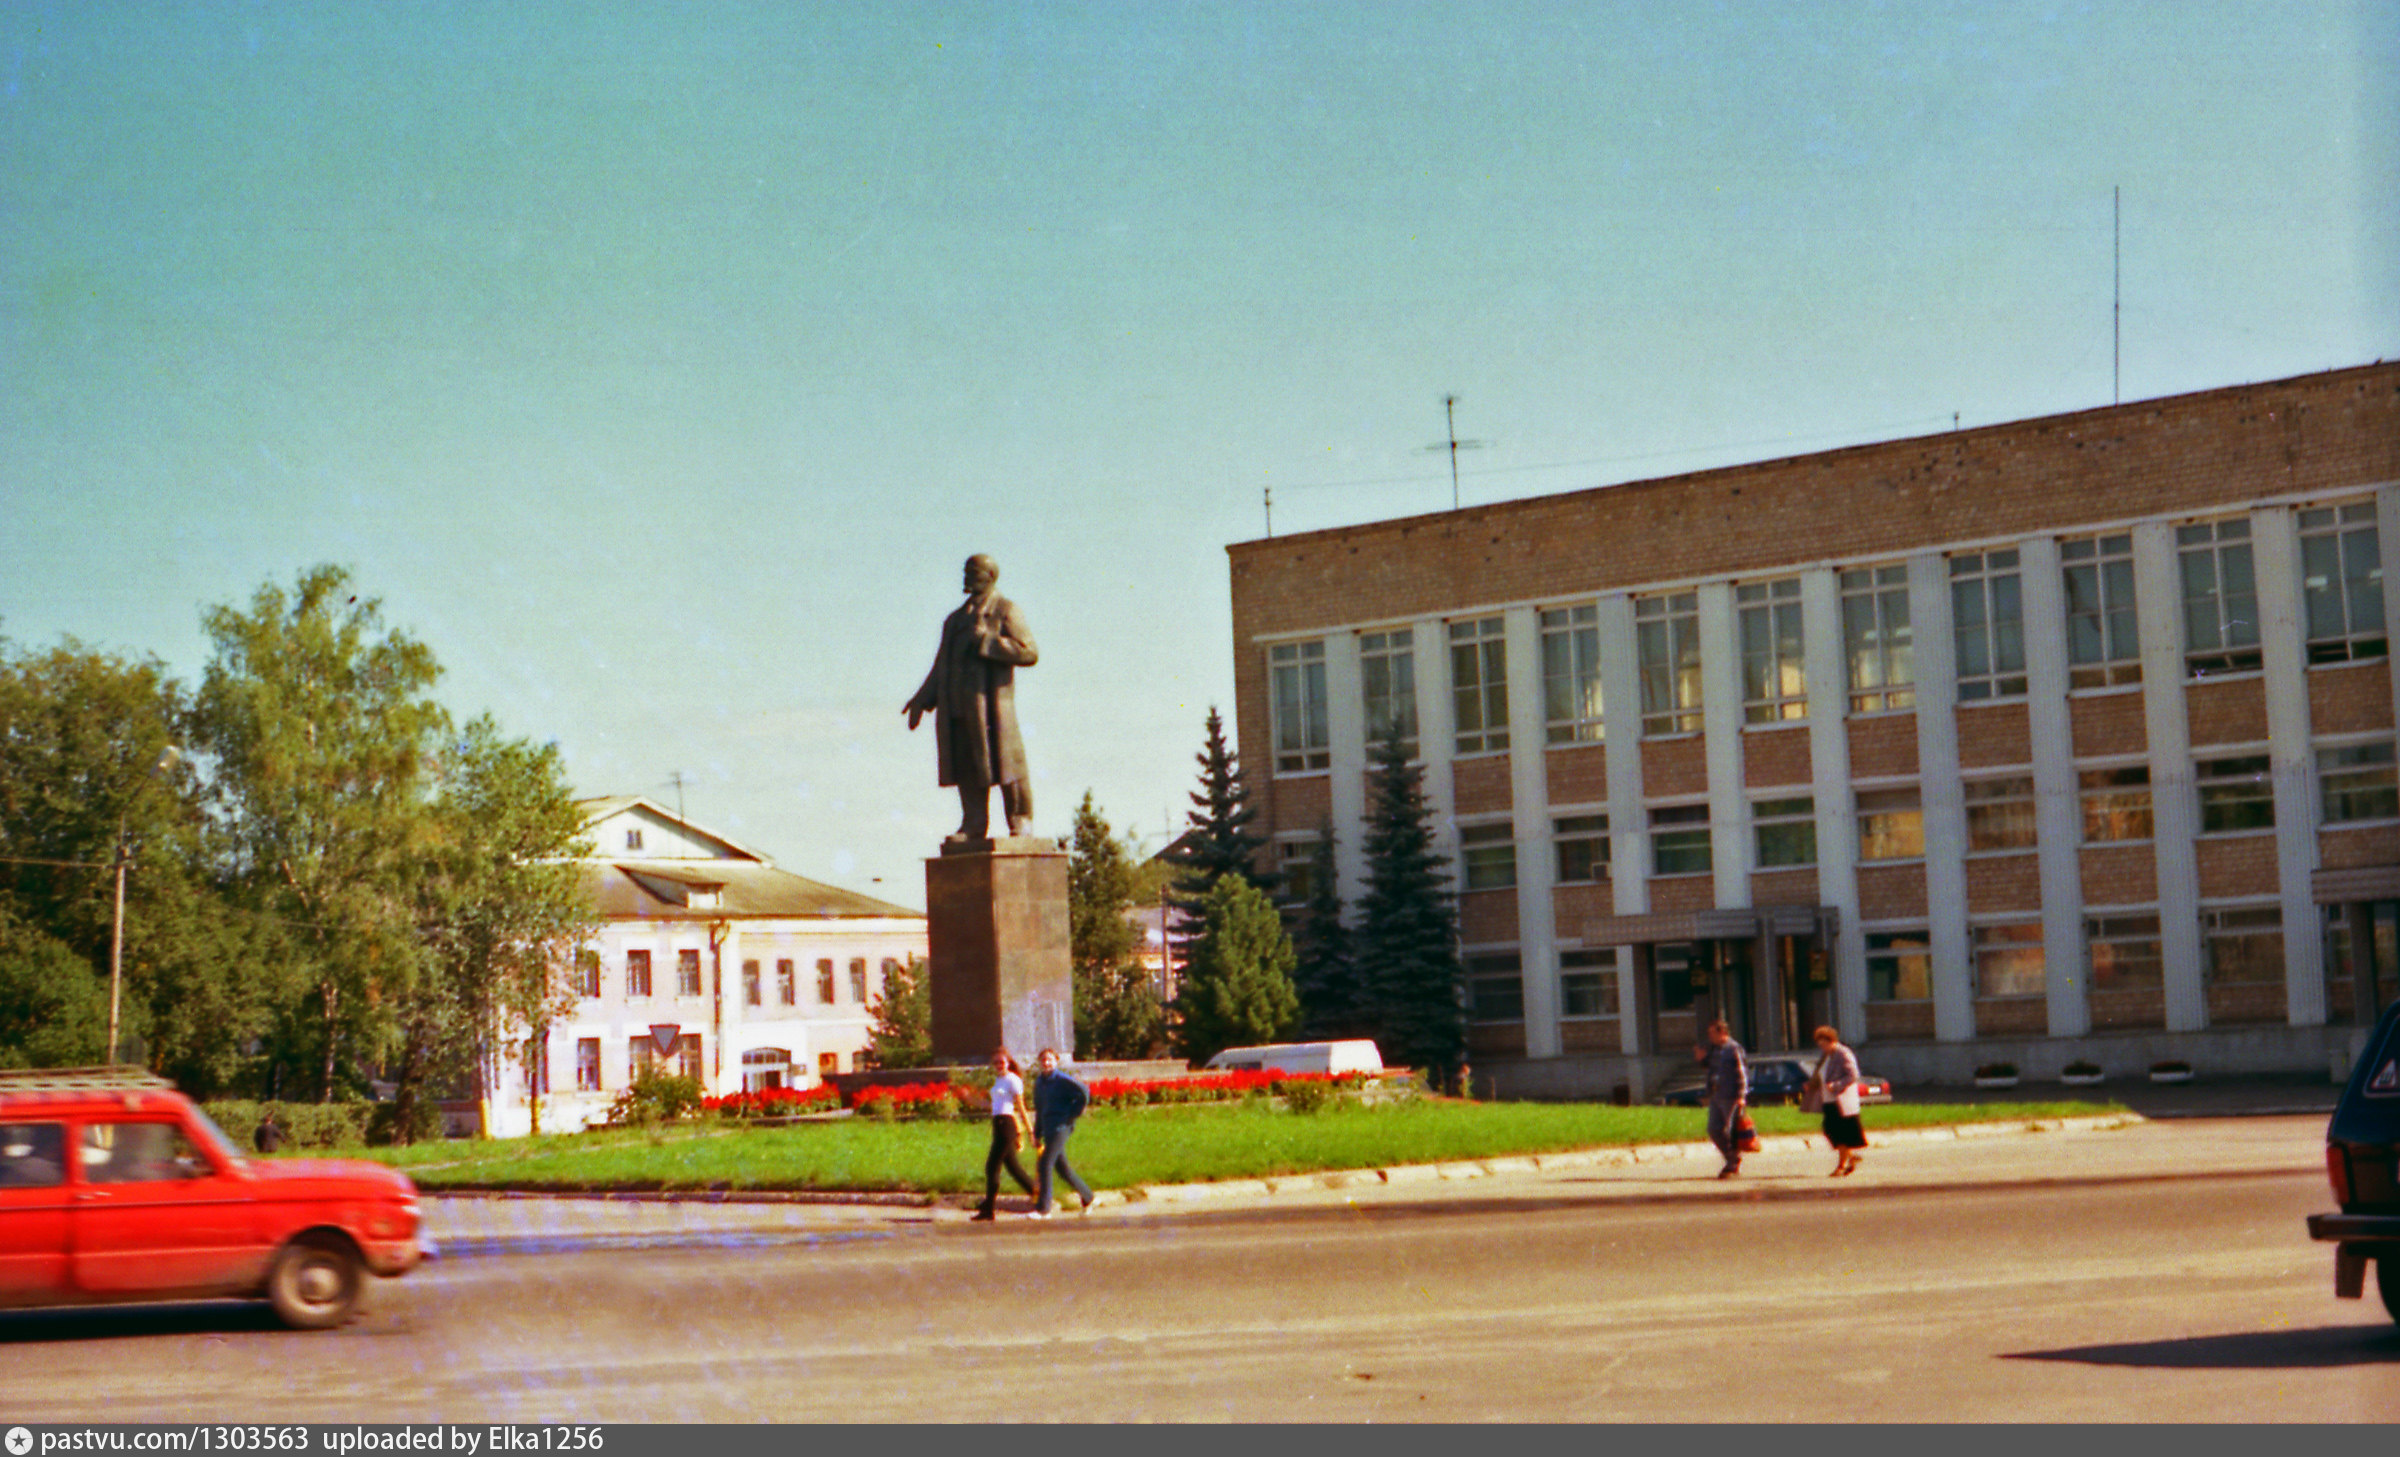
(1764, 969)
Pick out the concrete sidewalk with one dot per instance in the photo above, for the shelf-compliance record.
(2198, 1130)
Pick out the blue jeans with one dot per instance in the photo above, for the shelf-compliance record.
(1054, 1156)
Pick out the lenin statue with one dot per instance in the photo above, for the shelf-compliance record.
(971, 694)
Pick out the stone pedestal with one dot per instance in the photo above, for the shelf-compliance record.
(996, 923)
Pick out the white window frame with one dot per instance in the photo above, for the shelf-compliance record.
(2237, 921)
(1595, 965)
(2341, 583)
(2133, 926)
(2005, 800)
(2224, 781)
(2104, 648)
(1666, 630)
(1774, 651)
(1485, 966)
(2103, 791)
(1875, 804)
(2354, 769)
(1571, 702)
(1479, 685)
(1589, 828)
(2219, 582)
(1998, 942)
(1686, 826)
(1296, 692)
(1987, 617)
(1878, 641)
(1897, 945)
(1387, 675)
(1487, 855)
(1783, 812)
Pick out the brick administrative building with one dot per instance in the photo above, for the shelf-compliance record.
(2069, 739)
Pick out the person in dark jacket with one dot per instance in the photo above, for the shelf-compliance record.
(1059, 1098)
(1728, 1091)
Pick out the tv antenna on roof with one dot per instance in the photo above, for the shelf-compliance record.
(1455, 445)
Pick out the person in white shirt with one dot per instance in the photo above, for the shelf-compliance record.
(1008, 1090)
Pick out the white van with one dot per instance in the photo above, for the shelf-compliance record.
(1357, 1056)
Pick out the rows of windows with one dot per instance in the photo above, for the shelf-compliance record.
(686, 1058)
(2341, 590)
(2240, 945)
(755, 989)
(1587, 984)
(2357, 782)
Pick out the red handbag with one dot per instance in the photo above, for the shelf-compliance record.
(1745, 1132)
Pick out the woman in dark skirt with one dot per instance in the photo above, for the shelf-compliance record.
(1838, 1085)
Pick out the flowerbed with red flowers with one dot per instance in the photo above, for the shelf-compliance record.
(950, 1100)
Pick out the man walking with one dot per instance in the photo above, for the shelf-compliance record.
(1728, 1092)
(1059, 1098)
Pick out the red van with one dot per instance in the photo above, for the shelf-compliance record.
(114, 1187)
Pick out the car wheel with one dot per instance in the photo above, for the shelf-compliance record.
(315, 1283)
(2387, 1282)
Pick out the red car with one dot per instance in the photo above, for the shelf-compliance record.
(114, 1187)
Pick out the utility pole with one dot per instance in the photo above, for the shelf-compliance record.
(2116, 296)
(116, 946)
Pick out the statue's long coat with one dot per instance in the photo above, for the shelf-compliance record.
(973, 696)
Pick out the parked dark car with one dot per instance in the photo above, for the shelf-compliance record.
(1775, 1077)
(2362, 1157)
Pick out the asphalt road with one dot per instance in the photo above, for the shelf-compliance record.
(2091, 1286)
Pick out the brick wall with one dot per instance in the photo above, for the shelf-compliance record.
(1891, 892)
(1773, 758)
(2237, 866)
(2120, 875)
(2145, 1008)
(2345, 849)
(2005, 1016)
(1480, 785)
(1575, 906)
(2246, 1004)
(2107, 724)
(1487, 916)
(1299, 804)
(1578, 775)
(2355, 699)
(2232, 712)
(1883, 746)
(1995, 737)
(1497, 1040)
(2004, 883)
(1676, 766)
(1784, 888)
(1683, 893)
(1596, 1034)
(1899, 1021)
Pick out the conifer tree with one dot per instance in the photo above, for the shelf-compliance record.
(902, 1035)
(1118, 1013)
(1326, 975)
(1238, 989)
(1218, 841)
(1406, 942)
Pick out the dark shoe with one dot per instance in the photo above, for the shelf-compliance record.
(1729, 1171)
(984, 1214)
(1087, 1202)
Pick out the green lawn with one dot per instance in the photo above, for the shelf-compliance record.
(1112, 1149)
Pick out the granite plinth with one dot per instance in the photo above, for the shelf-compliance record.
(999, 944)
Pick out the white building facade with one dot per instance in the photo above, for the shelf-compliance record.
(710, 962)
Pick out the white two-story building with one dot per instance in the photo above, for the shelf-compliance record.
(710, 962)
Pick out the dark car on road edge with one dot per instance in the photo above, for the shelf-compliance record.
(2362, 1156)
(1775, 1077)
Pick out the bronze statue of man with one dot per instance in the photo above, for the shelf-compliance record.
(971, 694)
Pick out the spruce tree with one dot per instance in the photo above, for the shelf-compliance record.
(902, 1034)
(1118, 1013)
(1217, 842)
(1327, 973)
(1406, 942)
(1238, 989)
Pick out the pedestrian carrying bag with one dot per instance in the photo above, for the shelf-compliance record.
(1846, 1101)
(1812, 1096)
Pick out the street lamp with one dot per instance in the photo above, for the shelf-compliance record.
(167, 760)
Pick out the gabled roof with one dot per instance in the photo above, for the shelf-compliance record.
(663, 890)
(597, 810)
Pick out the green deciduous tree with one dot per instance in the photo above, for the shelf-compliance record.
(1117, 1009)
(53, 1010)
(322, 728)
(1237, 991)
(1406, 940)
(902, 1035)
(502, 909)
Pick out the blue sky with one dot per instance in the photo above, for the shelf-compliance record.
(658, 365)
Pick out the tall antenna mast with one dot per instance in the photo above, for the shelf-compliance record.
(1455, 445)
(2116, 306)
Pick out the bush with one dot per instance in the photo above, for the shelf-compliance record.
(305, 1125)
(657, 1097)
(383, 1124)
(1306, 1095)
